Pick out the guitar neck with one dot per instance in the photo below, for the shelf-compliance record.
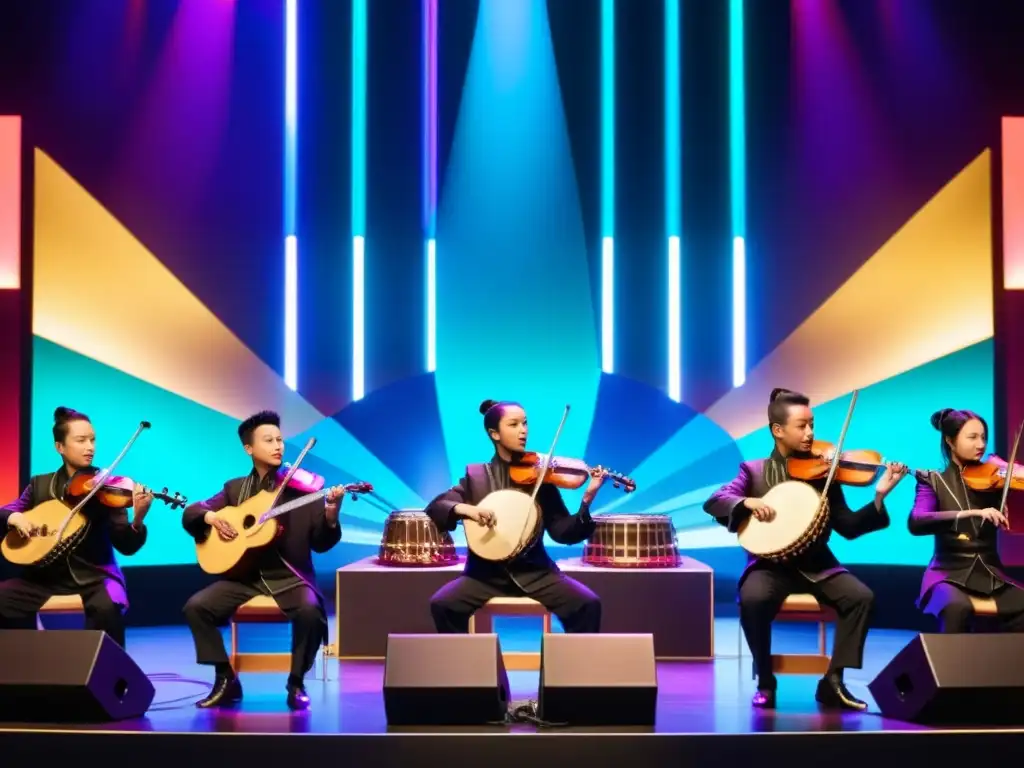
(293, 504)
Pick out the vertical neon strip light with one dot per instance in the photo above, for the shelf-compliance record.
(359, 10)
(673, 195)
(430, 172)
(607, 185)
(738, 184)
(291, 244)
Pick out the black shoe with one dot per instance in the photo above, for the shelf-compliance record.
(832, 693)
(764, 699)
(298, 699)
(226, 692)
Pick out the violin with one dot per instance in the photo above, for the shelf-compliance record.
(115, 491)
(301, 480)
(990, 475)
(563, 472)
(857, 468)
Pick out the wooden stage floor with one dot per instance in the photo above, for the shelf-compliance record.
(696, 702)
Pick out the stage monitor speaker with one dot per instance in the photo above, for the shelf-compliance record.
(445, 680)
(69, 676)
(598, 680)
(963, 679)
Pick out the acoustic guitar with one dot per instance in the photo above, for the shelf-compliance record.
(58, 528)
(256, 521)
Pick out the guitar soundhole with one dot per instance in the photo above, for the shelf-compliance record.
(248, 522)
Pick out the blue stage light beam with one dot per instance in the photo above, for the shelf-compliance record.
(673, 196)
(608, 186)
(738, 186)
(514, 308)
(359, 45)
(291, 242)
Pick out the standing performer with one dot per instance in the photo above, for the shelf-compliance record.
(532, 573)
(965, 523)
(91, 569)
(764, 585)
(284, 570)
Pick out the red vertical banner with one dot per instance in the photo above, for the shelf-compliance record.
(12, 330)
(1009, 216)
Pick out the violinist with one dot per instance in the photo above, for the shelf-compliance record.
(91, 569)
(283, 570)
(965, 523)
(532, 573)
(764, 585)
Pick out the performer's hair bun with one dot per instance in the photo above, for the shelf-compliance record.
(486, 405)
(940, 416)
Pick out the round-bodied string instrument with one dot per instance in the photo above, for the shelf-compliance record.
(517, 524)
(411, 539)
(801, 512)
(632, 541)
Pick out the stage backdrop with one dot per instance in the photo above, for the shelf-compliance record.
(478, 201)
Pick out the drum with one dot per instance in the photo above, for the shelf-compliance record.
(800, 517)
(411, 539)
(517, 524)
(632, 541)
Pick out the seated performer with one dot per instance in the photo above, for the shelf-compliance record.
(91, 569)
(764, 584)
(284, 570)
(532, 573)
(966, 525)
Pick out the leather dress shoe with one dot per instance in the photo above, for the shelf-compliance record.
(226, 692)
(832, 693)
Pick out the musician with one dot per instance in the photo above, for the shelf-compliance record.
(532, 573)
(965, 524)
(283, 570)
(91, 570)
(764, 585)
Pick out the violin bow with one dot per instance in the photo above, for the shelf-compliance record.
(839, 445)
(102, 475)
(1009, 470)
(550, 455)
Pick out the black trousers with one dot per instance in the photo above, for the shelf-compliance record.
(210, 608)
(952, 605)
(104, 602)
(761, 596)
(578, 608)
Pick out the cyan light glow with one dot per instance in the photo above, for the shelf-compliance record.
(675, 372)
(359, 43)
(291, 247)
(431, 305)
(430, 173)
(514, 319)
(291, 311)
(673, 195)
(738, 186)
(358, 313)
(607, 185)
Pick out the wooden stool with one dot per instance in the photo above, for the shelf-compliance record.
(803, 608)
(60, 605)
(984, 606)
(482, 623)
(262, 610)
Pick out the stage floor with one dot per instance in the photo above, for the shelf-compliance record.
(698, 697)
(695, 700)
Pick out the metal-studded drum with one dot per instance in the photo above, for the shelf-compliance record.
(411, 539)
(632, 541)
(800, 518)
